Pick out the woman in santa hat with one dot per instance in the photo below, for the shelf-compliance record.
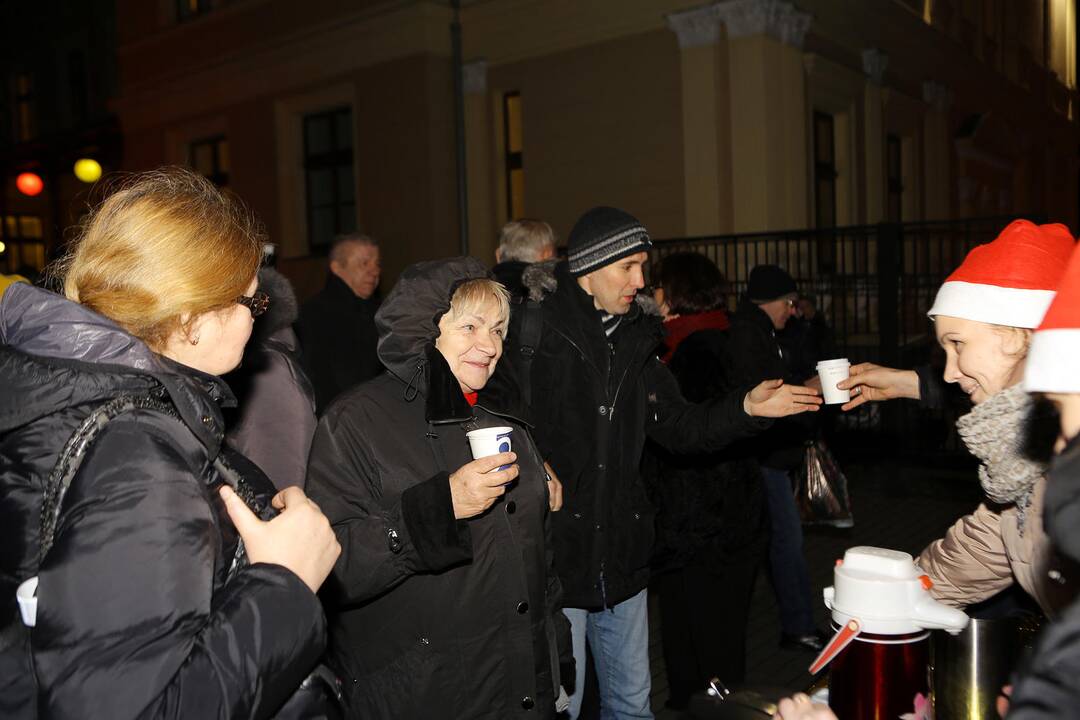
(984, 316)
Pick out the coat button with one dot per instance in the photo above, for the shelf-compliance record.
(527, 702)
(577, 516)
(603, 410)
(393, 541)
(207, 420)
(511, 507)
(522, 607)
(600, 466)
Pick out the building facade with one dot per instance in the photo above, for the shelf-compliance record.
(734, 116)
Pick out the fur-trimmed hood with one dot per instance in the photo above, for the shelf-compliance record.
(283, 309)
(540, 280)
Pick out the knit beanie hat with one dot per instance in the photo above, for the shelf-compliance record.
(1009, 281)
(768, 283)
(603, 235)
(1051, 361)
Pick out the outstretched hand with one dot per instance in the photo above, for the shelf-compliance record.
(800, 707)
(773, 398)
(873, 383)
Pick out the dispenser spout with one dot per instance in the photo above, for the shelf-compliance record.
(932, 615)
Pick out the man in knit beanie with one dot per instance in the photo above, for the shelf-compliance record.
(584, 352)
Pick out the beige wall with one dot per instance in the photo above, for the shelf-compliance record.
(602, 126)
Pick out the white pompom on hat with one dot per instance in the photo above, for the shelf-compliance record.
(1010, 281)
(1051, 362)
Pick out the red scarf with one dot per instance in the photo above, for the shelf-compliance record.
(472, 398)
(683, 326)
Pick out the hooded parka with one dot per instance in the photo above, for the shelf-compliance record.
(139, 614)
(432, 617)
(594, 400)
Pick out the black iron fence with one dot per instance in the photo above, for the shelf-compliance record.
(874, 284)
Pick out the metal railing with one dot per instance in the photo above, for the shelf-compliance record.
(874, 284)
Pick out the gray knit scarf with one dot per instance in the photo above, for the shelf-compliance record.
(995, 432)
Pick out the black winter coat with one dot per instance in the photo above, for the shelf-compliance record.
(1048, 688)
(138, 615)
(754, 354)
(709, 506)
(337, 340)
(433, 617)
(593, 404)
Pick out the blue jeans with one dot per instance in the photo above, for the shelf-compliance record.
(787, 565)
(619, 638)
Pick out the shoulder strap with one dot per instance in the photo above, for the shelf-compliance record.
(532, 326)
(71, 457)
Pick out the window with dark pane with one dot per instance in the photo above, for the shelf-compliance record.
(24, 243)
(824, 171)
(894, 173)
(328, 175)
(210, 158)
(515, 167)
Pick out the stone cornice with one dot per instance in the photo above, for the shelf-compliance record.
(696, 27)
(474, 77)
(874, 64)
(778, 19)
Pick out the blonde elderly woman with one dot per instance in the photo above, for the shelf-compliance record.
(116, 493)
(444, 602)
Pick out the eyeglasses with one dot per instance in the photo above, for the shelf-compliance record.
(257, 303)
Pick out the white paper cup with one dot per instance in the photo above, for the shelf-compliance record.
(26, 595)
(489, 441)
(831, 372)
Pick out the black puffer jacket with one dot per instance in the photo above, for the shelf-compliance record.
(593, 403)
(709, 506)
(1049, 688)
(434, 617)
(754, 354)
(137, 615)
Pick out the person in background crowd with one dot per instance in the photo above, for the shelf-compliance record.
(337, 326)
(444, 602)
(807, 338)
(754, 354)
(521, 243)
(710, 507)
(274, 419)
(597, 391)
(148, 604)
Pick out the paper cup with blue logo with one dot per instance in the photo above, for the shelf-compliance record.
(489, 441)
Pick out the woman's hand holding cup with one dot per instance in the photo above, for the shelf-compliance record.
(475, 486)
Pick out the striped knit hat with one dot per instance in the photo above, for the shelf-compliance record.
(603, 235)
(1009, 281)
(1051, 361)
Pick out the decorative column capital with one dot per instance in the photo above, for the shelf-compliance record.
(695, 27)
(874, 64)
(937, 95)
(778, 19)
(474, 77)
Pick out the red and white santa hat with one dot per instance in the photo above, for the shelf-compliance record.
(1052, 359)
(1010, 281)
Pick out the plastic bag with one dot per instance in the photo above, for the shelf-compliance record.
(821, 491)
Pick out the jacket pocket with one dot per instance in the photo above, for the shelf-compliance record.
(635, 529)
(402, 689)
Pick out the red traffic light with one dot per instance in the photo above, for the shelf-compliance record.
(29, 184)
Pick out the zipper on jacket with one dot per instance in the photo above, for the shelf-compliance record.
(603, 589)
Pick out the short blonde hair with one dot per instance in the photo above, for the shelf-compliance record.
(167, 244)
(472, 295)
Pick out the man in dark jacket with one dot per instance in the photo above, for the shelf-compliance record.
(337, 326)
(521, 243)
(597, 390)
(755, 354)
